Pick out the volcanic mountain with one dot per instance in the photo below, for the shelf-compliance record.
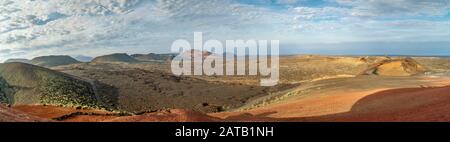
(51, 61)
(33, 85)
(153, 57)
(395, 67)
(83, 58)
(117, 57)
(18, 60)
(197, 53)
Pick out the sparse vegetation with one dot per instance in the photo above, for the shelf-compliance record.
(36, 85)
(3, 87)
(146, 87)
(5, 92)
(67, 92)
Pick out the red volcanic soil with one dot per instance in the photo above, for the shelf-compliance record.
(414, 104)
(75, 115)
(408, 104)
(174, 115)
(55, 112)
(10, 115)
(411, 104)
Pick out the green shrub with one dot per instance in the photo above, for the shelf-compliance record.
(67, 92)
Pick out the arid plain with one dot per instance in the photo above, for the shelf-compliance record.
(141, 88)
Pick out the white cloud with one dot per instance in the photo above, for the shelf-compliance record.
(397, 8)
(35, 27)
(288, 1)
(322, 13)
(129, 25)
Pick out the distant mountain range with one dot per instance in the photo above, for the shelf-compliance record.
(47, 61)
(59, 60)
(117, 57)
(51, 61)
(18, 60)
(153, 57)
(83, 58)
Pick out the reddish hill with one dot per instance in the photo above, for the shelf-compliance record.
(408, 104)
(397, 67)
(393, 105)
(67, 114)
(10, 115)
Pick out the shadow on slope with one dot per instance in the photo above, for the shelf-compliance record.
(35, 85)
(408, 104)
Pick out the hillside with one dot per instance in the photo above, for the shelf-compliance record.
(195, 53)
(51, 61)
(117, 57)
(10, 115)
(83, 58)
(29, 84)
(153, 57)
(18, 60)
(395, 67)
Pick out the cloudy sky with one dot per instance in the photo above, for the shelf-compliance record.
(30, 28)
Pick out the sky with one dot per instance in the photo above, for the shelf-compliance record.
(31, 28)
